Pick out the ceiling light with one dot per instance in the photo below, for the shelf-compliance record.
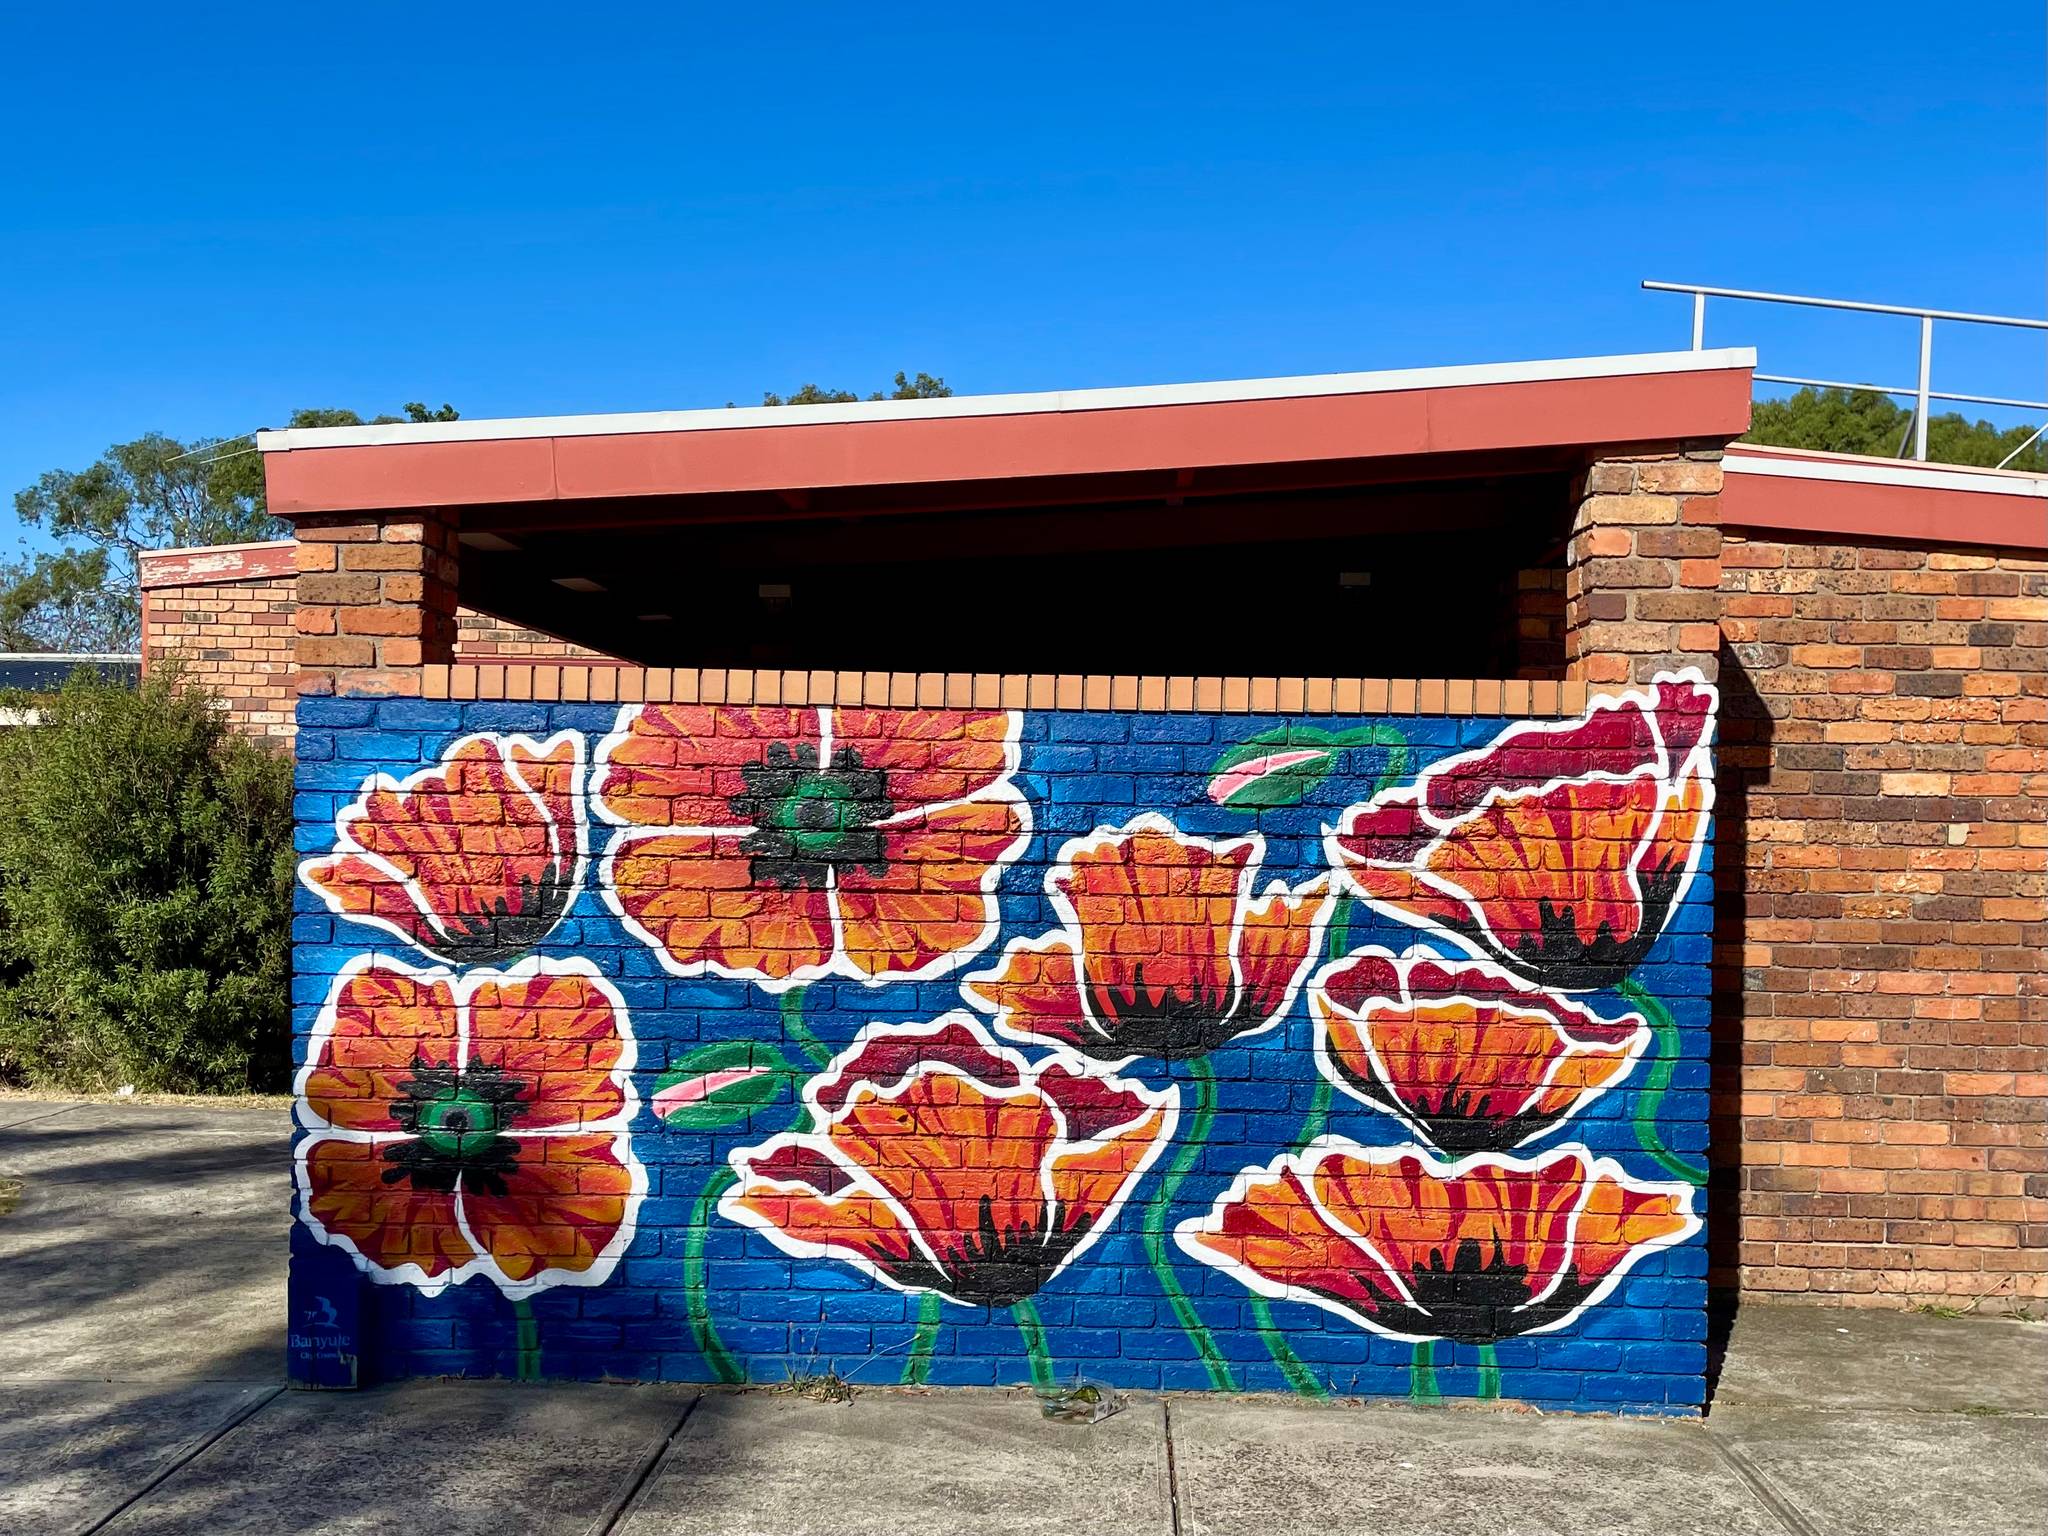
(497, 543)
(579, 584)
(656, 618)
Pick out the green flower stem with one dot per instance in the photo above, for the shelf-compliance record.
(1318, 1119)
(1155, 1227)
(695, 1299)
(1651, 1100)
(917, 1370)
(1298, 1375)
(794, 1027)
(1489, 1375)
(527, 1329)
(1034, 1343)
(1422, 1386)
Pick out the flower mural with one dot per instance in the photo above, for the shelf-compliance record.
(473, 1119)
(939, 1161)
(1164, 952)
(1462, 1052)
(784, 845)
(1559, 850)
(473, 860)
(1393, 1240)
(472, 1124)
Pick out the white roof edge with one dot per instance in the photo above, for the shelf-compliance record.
(726, 419)
(1914, 476)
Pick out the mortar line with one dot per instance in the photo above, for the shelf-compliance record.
(609, 1519)
(227, 1426)
(1766, 1493)
(1172, 1471)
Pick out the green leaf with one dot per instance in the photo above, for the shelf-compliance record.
(718, 1085)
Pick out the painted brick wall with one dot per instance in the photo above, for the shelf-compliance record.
(1192, 1050)
(1885, 781)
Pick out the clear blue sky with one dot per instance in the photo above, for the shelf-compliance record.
(212, 215)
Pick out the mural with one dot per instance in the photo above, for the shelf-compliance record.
(715, 1042)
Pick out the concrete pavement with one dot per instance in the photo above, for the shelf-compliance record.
(141, 1337)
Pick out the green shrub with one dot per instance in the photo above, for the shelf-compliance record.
(145, 894)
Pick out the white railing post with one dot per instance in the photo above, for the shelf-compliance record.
(1926, 370)
(1699, 321)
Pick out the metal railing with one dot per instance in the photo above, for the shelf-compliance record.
(1921, 394)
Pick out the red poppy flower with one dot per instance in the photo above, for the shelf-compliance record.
(1462, 1052)
(1559, 849)
(475, 859)
(471, 1124)
(1165, 951)
(941, 1161)
(1477, 1251)
(782, 845)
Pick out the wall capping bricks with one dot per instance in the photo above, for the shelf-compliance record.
(608, 682)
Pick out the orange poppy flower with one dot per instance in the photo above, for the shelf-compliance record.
(941, 1161)
(1165, 951)
(471, 1124)
(473, 860)
(783, 845)
(1462, 1052)
(1477, 1251)
(1559, 850)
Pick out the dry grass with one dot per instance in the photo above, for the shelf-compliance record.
(193, 1100)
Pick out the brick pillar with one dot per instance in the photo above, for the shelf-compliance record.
(1643, 567)
(376, 597)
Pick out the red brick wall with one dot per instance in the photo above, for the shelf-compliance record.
(1882, 1086)
(228, 614)
(481, 636)
(231, 614)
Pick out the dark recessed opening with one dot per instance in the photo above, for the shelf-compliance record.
(1404, 580)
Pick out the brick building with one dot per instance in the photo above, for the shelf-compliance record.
(1127, 573)
(227, 612)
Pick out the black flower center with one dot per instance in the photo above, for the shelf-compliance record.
(1473, 1297)
(457, 1120)
(999, 1267)
(809, 819)
(1175, 1023)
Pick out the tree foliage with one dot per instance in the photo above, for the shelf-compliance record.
(145, 894)
(152, 493)
(1863, 421)
(923, 387)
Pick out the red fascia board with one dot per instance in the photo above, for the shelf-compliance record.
(1860, 510)
(210, 567)
(1622, 409)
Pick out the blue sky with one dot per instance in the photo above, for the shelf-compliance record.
(210, 216)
